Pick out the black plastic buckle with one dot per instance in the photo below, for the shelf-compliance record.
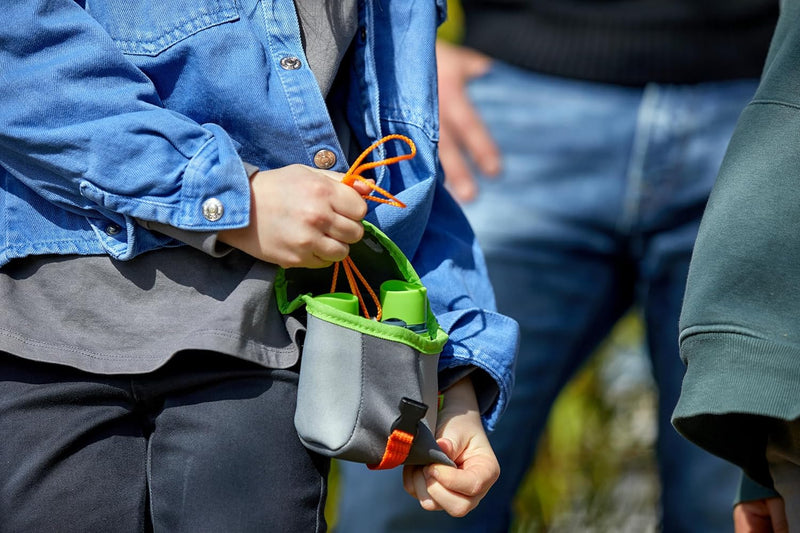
(411, 412)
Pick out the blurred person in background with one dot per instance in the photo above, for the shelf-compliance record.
(583, 140)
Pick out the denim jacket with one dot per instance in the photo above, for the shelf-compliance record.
(118, 110)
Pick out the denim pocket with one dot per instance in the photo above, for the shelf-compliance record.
(148, 27)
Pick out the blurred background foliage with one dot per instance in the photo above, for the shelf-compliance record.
(453, 28)
(595, 467)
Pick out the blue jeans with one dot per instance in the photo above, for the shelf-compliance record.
(204, 444)
(596, 210)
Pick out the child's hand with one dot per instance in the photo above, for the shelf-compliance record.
(461, 436)
(760, 516)
(300, 217)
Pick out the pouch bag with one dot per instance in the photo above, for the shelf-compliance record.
(368, 390)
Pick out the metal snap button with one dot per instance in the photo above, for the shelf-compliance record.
(291, 63)
(324, 159)
(112, 229)
(213, 209)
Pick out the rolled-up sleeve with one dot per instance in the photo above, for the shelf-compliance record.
(86, 130)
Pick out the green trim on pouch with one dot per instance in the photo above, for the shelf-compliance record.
(379, 259)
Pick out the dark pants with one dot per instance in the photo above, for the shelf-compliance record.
(204, 444)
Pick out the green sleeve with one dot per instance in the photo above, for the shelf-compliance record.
(740, 321)
(749, 490)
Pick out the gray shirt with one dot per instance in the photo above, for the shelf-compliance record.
(107, 316)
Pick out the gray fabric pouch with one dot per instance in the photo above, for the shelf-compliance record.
(368, 390)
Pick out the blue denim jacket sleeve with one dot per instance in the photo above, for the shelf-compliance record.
(463, 301)
(87, 131)
(432, 230)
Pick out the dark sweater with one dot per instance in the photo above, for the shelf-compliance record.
(740, 324)
(629, 42)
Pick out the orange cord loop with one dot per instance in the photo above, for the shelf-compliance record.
(354, 173)
(352, 273)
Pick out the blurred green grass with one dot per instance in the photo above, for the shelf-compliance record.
(595, 467)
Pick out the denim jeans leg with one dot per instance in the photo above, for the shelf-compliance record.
(597, 207)
(688, 132)
(697, 489)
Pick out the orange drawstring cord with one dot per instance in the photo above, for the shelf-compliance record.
(399, 442)
(354, 173)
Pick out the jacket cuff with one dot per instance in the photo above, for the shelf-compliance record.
(750, 490)
(485, 341)
(205, 241)
(214, 191)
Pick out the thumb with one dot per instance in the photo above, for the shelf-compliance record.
(363, 188)
(453, 447)
(359, 186)
(447, 447)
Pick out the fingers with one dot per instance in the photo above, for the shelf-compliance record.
(300, 217)
(760, 516)
(343, 229)
(322, 247)
(326, 222)
(459, 490)
(458, 176)
(777, 511)
(452, 502)
(456, 490)
(416, 484)
(329, 251)
(440, 487)
(343, 199)
(336, 211)
(473, 479)
(462, 129)
(361, 187)
(470, 132)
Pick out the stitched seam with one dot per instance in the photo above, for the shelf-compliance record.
(778, 103)
(180, 31)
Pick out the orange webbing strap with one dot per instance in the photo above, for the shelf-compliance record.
(404, 429)
(354, 173)
(397, 448)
